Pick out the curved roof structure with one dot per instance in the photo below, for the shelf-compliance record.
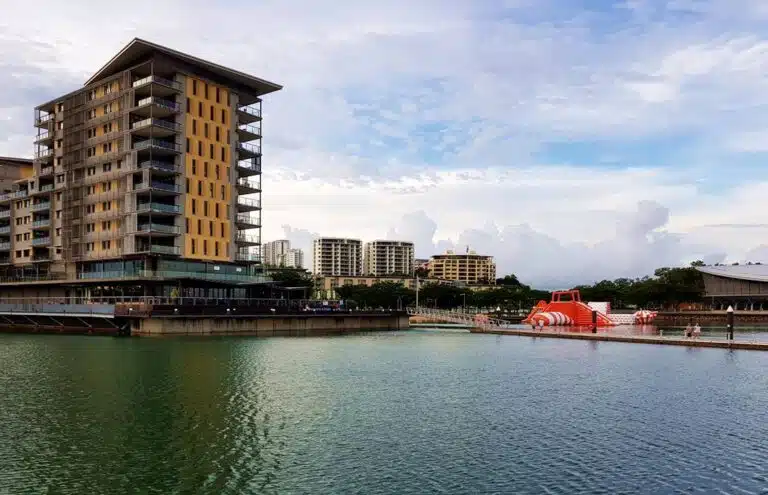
(752, 273)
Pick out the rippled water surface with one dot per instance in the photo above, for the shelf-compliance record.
(410, 412)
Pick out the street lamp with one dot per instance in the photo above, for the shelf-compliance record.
(729, 322)
(463, 302)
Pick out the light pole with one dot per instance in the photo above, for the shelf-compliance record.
(463, 302)
(729, 320)
(417, 292)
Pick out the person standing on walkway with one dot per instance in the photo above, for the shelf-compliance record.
(688, 330)
(696, 331)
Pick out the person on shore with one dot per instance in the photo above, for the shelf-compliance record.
(541, 325)
(688, 331)
(696, 331)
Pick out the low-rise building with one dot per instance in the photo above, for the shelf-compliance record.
(470, 268)
(325, 287)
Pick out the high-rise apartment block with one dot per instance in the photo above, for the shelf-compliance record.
(275, 252)
(294, 258)
(387, 258)
(152, 170)
(337, 257)
(469, 268)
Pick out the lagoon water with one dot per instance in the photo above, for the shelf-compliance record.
(423, 411)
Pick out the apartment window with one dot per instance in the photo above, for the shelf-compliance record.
(106, 147)
(26, 236)
(216, 246)
(187, 186)
(210, 151)
(59, 125)
(194, 87)
(217, 172)
(18, 237)
(224, 117)
(26, 253)
(106, 187)
(18, 254)
(106, 225)
(106, 167)
(59, 142)
(60, 107)
(200, 108)
(222, 229)
(218, 96)
(228, 211)
(105, 245)
(58, 213)
(212, 113)
(205, 247)
(194, 246)
(194, 127)
(205, 208)
(227, 136)
(186, 224)
(189, 108)
(194, 207)
(218, 134)
(227, 98)
(210, 228)
(205, 129)
(119, 164)
(107, 128)
(223, 192)
(58, 196)
(59, 178)
(187, 145)
(216, 207)
(205, 169)
(194, 167)
(199, 227)
(223, 154)
(106, 206)
(200, 148)
(205, 90)
(210, 189)
(58, 160)
(199, 188)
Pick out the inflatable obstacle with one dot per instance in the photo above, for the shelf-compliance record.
(568, 304)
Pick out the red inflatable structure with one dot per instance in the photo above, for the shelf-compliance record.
(567, 303)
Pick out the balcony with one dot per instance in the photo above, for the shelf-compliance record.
(41, 224)
(44, 120)
(247, 168)
(248, 115)
(157, 146)
(5, 214)
(249, 132)
(248, 150)
(44, 171)
(155, 128)
(246, 221)
(247, 204)
(159, 249)
(5, 230)
(245, 186)
(41, 256)
(154, 106)
(157, 187)
(247, 240)
(44, 155)
(18, 195)
(44, 136)
(158, 229)
(41, 241)
(155, 85)
(158, 167)
(46, 205)
(5, 246)
(158, 208)
(250, 257)
(105, 157)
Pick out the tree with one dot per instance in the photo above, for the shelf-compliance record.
(421, 272)
(293, 277)
(509, 280)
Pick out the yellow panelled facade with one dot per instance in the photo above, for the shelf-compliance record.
(208, 197)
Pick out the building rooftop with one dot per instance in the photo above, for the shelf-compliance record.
(19, 162)
(753, 273)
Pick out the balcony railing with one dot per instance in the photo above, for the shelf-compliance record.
(156, 185)
(246, 239)
(161, 102)
(43, 119)
(251, 129)
(5, 214)
(43, 154)
(252, 166)
(252, 203)
(37, 224)
(47, 188)
(158, 165)
(159, 249)
(5, 230)
(18, 194)
(250, 184)
(249, 147)
(157, 79)
(46, 171)
(41, 206)
(41, 241)
(156, 143)
(156, 122)
(5, 246)
(255, 111)
(43, 135)
(157, 227)
(244, 218)
(247, 257)
(158, 207)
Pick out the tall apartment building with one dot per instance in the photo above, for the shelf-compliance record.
(152, 169)
(386, 258)
(275, 252)
(337, 257)
(294, 258)
(470, 268)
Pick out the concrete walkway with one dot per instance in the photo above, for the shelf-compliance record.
(631, 339)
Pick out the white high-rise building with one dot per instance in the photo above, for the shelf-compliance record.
(275, 252)
(383, 258)
(294, 258)
(334, 257)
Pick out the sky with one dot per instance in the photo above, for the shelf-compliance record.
(573, 140)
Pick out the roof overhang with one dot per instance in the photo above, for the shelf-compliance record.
(751, 273)
(138, 49)
(20, 162)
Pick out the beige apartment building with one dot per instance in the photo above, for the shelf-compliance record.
(333, 257)
(469, 268)
(383, 258)
(151, 170)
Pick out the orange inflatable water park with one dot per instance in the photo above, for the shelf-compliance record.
(567, 308)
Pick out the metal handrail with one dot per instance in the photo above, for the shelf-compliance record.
(154, 100)
(255, 111)
(157, 79)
